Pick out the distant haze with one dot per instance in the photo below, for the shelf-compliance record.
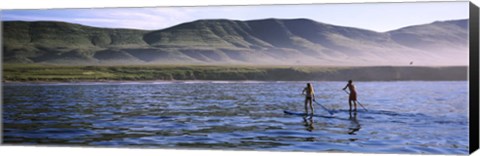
(258, 42)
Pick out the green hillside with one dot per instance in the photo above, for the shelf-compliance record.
(233, 42)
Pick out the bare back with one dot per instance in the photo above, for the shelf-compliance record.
(308, 91)
(351, 87)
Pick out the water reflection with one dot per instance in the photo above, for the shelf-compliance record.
(308, 123)
(354, 124)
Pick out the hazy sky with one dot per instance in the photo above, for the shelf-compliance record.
(373, 16)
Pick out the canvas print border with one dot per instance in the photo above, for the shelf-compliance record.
(472, 127)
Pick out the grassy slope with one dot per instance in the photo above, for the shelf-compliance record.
(35, 72)
(266, 41)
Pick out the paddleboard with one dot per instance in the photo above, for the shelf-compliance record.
(304, 114)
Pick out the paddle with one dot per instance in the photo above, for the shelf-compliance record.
(357, 101)
(323, 107)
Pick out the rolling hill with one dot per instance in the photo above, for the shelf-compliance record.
(264, 42)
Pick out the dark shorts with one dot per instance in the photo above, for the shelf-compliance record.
(353, 96)
(308, 98)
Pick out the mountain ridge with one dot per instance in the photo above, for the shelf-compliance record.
(223, 41)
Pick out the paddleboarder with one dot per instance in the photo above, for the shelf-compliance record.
(352, 98)
(309, 97)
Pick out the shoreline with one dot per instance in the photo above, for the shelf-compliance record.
(72, 74)
(191, 82)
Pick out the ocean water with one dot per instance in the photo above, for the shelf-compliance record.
(402, 117)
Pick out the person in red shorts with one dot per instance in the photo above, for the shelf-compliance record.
(352, 98)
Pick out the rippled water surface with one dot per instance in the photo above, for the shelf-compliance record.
(402, 117)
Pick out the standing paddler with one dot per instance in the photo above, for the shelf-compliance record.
(309, 97)
(353, 95)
